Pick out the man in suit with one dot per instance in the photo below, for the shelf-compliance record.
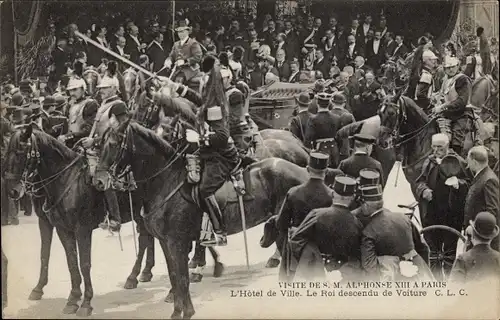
(483, 191)
(292, 41)
(60, 58)
(352, 50)
(186, 51)
(390, 45)
(363, 30)
(133, 46)
(321, 63)
(282, 65)
(442, 196)
(481, 262)
(299, 201)
(294, 72)
(484, 50)
(334, 232)
(280, 44)
(269, 36)
(401, 50)
(360, 159)
(298, 124)
(113, 40)
(156, 53)
(330, 45)
(120, 49)
(369, 97)
(375, 51)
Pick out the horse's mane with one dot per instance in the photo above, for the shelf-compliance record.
(47, 142)
(151, 137)
(416, 111)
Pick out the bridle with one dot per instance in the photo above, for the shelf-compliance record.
(30, 171)
(126, 137)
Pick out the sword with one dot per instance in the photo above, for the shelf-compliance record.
(117, 56)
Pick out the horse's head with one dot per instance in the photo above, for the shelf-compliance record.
(91, 78)
(20, 161)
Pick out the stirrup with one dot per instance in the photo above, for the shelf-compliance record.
(218, 239)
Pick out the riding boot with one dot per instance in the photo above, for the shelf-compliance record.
(220, 235)
(113, 210)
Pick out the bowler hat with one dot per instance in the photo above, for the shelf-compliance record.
(368, 177)
(318, 160)
(344, 186)
(118, 109)
(17, 99)
(366, 138)
(484, 225)
(338, 98)
(303, 99)
(49, 101)
(372, 193)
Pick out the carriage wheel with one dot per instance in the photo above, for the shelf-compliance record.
(441, 260)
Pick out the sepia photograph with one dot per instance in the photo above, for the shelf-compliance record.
(250, 159)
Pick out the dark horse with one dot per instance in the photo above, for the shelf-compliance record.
(72, 206)
(171, 214)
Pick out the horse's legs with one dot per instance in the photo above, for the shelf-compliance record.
(218, 266)
(176, 252)
(146, 274)
(131, 282)
(171, 272)
(69, 243)
(46, 232)
(198, 259)
(274, 260)
(84, 242)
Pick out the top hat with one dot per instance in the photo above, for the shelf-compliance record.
(303, 99)
(366, 138)
(118, 109)
(338, 98)
(484, 225)
(372, 193)
(318, 160)
(344, 186)
(368, 177)
(182, 26)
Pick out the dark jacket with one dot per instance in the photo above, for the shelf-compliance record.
(389, 234)
(323, 66)
(298, 124)
(322, 125)
(345, 118)
(300, 200)
(483, 196)
(358, 161)
(375, 60)
(133, 48)
(334, 230)
(284, 71)
(446, 206)
(476, 264)
(156, 56)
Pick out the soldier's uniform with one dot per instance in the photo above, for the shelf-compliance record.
(455, 119)
(361, 160)
(238, 126)
(299, 201)
(334, 232)
(345, 118)
(298, 124)
(388, 239)
(321, 130)
(424, 90)
(80, 113)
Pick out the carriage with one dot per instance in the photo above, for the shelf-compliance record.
(273, 106)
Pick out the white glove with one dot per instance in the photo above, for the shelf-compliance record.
(180, 62)
(167, 64)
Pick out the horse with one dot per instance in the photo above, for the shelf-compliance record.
(171, 214)
(410, 132)
(92, 79)
(133, 86)
(72, 206)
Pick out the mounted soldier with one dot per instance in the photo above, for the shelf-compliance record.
(425, 86)
(455, 119)
(186, 55)
(81, 113)
(108, 89)
(54, 123)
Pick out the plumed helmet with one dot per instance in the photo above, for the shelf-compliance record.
(75, 83)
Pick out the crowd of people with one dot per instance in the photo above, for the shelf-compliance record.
(346, 64)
